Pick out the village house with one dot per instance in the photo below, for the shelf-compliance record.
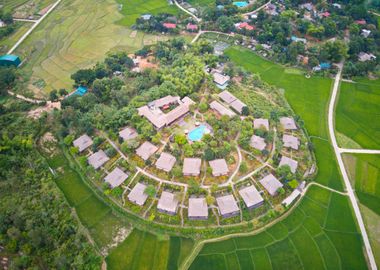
(227, 206)
(219, 108)
(165, 162)
(261, 123)
(244, 25)
(97, 159)
(138, 195)
(232, 101)
(83, 142)
(220, 79)
(191, 166)
(271, 184)
(288, 123)
(291, 141)
(167, 203)
(291, 198)
(365, 33)
(251, 197)
(169, 25)
(197, 208)
(364, 57)
(219, 167)
(116, 177)
(191, 27)
(128, 134)
(146, 150)
(154, 110)
(293, 164)
(257, 142)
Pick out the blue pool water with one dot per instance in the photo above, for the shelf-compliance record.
(240, 4)
(197, 133)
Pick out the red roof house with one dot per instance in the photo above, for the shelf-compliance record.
(325, 14)
(170, 25)
(361, 22)
(245, 25)
(192, 27)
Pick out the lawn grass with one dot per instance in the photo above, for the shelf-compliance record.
(133, 9)
(357, 112)
(9, 5)
(308, 98)
(202, 3)
(78, 34)
(143, 250)
(306, 245)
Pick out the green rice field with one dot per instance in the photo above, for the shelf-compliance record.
(202, 3)
(308, 98)
(320, 234)
(358, 112)
(80, 33)
(133, 9)
(143, 250)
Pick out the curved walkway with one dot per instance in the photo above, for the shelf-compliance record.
(347, 182)
(30, 100)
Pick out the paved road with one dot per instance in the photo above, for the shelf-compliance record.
(349, 189)
(359, 151)
(33, 27)
(25, 20)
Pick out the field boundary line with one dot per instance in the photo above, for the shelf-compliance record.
(317, 246)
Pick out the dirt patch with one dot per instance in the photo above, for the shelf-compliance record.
(119, 237)
(50, 106)
(133, 34)
(48, 143)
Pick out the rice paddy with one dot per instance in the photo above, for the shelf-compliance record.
(312, 237)
(357, 112)
(80, 33)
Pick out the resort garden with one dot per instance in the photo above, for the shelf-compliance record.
(218, 147)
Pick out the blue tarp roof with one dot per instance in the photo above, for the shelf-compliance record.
(9, 57)
(325, 65)
(10, 60)
(81, 90)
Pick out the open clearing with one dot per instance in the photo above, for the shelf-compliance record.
(308, 98)
(132, 9)
(80, 33)
(142, 250)
(320, 234)
(358, 112)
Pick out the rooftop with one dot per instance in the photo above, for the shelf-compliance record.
(288, 123)
(227, 205)
(251, 196)
(261, 123)
(137, 194)
(238, 105)
(291, 141)
(146, 150)
(257, 142)
(192, 166)
(227, 97)
(165, 162)
(83, 142)
(219, 167)
(220, 79)
(128, 133)
(116, 177)
(198, 208)
(215, 105)
(271, 184)
(167, 202)
(290, 162)
(290, 199)
(97, 159)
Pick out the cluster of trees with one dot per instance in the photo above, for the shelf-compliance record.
(36, 225)
(7, 79)
(10, 27)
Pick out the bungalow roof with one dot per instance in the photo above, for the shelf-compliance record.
(215, 105)
(219, 167)
(146, 150)
(191, 166)
(116, 177)
(198, 208)
(257, 142)
(97, 159)
(293, 164)
(271, 184)
(227, 205)
(166, 162)
(137, 194)
(167, 202)
(251, 196)
(83, 142)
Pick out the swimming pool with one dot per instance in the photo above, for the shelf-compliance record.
(240, 4)
(197, 133)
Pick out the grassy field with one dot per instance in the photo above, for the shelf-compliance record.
(320, 234)
(95, 215)
(308, 98)
(8, 42)
(133, 9)
(9, 5)
(77, 35)
(202, 3)
(357, 112)
(142, 250)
